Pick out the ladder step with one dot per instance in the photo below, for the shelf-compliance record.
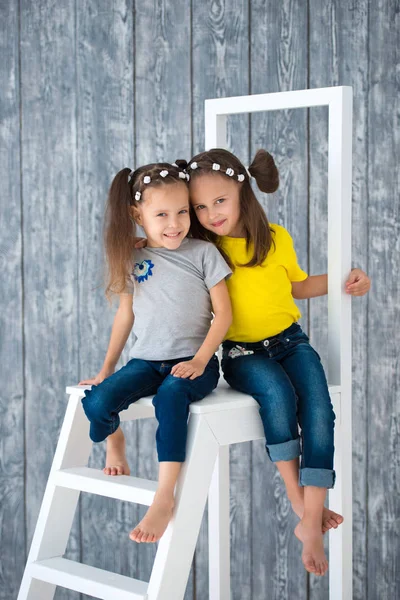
(88, 580)
(94, 481)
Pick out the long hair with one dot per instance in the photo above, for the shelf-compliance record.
(252, 216)
(128, 189)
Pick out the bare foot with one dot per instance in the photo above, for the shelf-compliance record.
(330, 519)
(116, 463)
(155, 521)
(313, 555)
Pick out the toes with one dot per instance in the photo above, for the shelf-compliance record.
(329, 524)
(322, 568)
(333, 523)
(310, 566)
(140, 536)
(134, 535)
(145, 538)
(106, 470)
(336, 517)
(339, 519)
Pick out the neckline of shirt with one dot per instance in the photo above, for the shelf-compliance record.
(227, 238)
(184, 243)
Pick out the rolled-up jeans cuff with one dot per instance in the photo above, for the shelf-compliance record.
(284, 451)
(324, 478)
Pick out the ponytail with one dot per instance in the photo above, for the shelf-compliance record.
(119, 233)
(265, 172)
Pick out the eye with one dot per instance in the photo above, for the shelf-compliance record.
(161, 214)
(200, 206)
(183, 212)
(220, 201)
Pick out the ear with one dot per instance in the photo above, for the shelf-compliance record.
(135, 214)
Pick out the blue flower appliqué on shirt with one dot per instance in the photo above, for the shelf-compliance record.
(142, 271)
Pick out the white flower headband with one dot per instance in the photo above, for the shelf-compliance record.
(217, 167)
(164, 173)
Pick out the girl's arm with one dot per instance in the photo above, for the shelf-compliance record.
(121, 329)
(222, 320)
(357, 284)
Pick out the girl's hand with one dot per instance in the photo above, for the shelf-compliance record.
(189, 369)
(141, 242)
(101, 376)
(358, 283)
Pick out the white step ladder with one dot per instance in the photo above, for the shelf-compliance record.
(223, 418)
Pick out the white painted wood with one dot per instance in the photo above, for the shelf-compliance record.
(58, 506)
(215, 127)
(88, 580)
(94, 481)
(236, 425)
(339, 101)
(339, 331)
(222, 398)
(219, 529)
(176, 548)
(337, 502)
(276, 101)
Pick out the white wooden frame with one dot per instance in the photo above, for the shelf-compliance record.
(223, 418)
(339, 102)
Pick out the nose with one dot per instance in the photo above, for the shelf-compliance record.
(212, 214)
(173, 221)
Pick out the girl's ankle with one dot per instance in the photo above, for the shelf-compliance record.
(311, 522)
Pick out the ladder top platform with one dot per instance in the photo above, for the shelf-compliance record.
(222, 398)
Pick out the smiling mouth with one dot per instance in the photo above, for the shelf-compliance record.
(173, 235)
(218, 223)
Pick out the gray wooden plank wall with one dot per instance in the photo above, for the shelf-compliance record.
(89, 87)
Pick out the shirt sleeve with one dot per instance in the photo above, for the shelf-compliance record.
(129, 285)
(215, 268)
(295, 272)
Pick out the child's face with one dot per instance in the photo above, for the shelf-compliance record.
(164, 215)
(216, 202)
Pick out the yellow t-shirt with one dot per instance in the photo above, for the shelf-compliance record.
(261, 297)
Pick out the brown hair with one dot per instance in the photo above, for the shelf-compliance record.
(252, 215)
(127, 190)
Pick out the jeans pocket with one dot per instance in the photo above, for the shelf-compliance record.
(297, 338)
(298, 335)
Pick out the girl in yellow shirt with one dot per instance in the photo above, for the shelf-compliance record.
(265, 352)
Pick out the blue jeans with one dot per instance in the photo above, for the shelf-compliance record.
(284, 374)
(172, 396)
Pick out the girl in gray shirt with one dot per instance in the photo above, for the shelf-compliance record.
(169, 292)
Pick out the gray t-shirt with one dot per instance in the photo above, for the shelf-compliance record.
(171, 298)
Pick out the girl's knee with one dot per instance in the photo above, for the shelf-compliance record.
(96, 404)
(174, 391)
(276, 400)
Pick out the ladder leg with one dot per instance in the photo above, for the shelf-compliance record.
(340, 500)
(219, 529)
(176, 548)
(34, 589)
(59, 504)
